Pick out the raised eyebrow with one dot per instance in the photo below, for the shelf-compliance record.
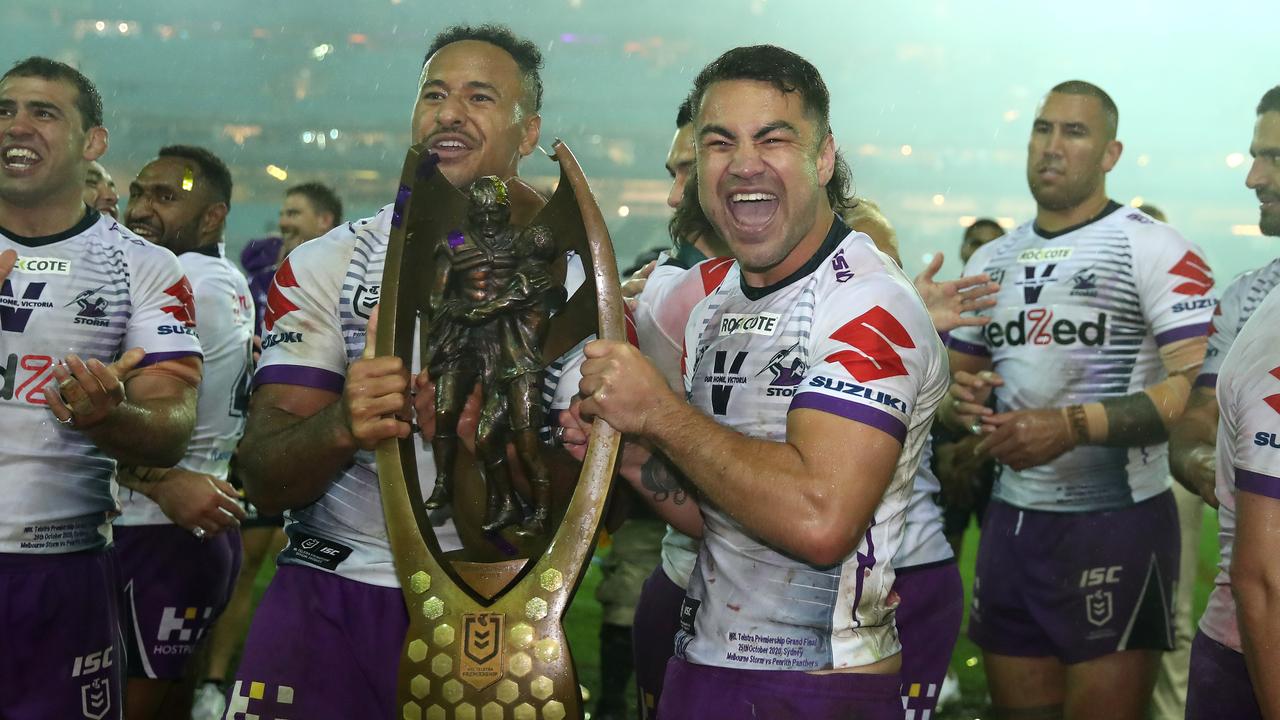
(774, 126)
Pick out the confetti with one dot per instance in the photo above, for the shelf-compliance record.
(188, 179)
(971, 662)
(455, 239)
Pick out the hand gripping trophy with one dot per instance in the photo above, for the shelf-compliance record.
(480, 274)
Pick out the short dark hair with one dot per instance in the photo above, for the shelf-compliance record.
(322, 198)
(788, 72)
(88, 100)
(983, 223)
(1153, 211)
(212, 169)
(1270, 101)
(1081, 87)
(527, 56)
(684, 115)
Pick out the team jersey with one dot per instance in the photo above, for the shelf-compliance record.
(847, 335)
(662, 312)
(95, 290)
(1239, 302)
(225, 318)
(1248, 451)
(1080, 317)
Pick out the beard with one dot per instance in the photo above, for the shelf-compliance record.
(1061, 196)
(1269, 223)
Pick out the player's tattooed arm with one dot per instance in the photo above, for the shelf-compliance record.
(662, 481)
(1133, 421)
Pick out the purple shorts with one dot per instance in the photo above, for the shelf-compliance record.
(653, 637)
(321, 647)
(928, 620)
(175, 586)
(61, 654)
(1219, 687)
(1076, 586)
(706, 691)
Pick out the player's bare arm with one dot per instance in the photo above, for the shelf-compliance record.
(793, 495)
(8, 259)
(964, 405)
(190, 499)
(1255, 583)
(1028, 438)
(650, 474)
(138, 416)
(298, 438)
(1191, 444)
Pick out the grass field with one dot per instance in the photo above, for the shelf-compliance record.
(583, 623)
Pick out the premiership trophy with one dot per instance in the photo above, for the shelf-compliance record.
(479, 272)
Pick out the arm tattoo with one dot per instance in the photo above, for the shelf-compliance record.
(662, 481)
(1133, 421)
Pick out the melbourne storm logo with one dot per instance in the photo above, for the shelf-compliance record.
(92, 308)
(788, 370)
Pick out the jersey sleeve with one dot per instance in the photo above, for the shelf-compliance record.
(1222, 330)
(163, 320)
(970, 340)
(1174, 282)
(871, 348)
(662, 310)
(1255, 403)
(304, 343)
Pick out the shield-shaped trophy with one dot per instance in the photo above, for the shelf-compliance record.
(479, 273)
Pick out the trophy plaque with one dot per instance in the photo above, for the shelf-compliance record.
(476, 274)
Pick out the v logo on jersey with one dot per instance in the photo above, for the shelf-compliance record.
(1032, 286)
(1274, 400)
(722, 380)
(1198, 274)
(14, 315)
(872, 336)
(277, 304)
(185, 311)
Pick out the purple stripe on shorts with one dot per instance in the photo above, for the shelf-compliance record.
(300, 375)
(864, 414)
(153, 358)
(1209, 380)
(1182, 333)
(1258, 483)
(965, 347)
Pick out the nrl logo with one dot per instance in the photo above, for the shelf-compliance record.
(482, 654)
(95, 699)
(1098, 607)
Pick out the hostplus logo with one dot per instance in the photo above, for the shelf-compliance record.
(174, 627)
(788, 370)
(92, 308)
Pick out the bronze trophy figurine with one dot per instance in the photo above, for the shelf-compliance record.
(490, 306)
(481, 274)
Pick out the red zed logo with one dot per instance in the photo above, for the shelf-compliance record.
(1199, 276)
(277, 304)
(185, 311)
(872, 336)
(1274, 400)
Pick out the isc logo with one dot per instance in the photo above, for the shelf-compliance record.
(1094, 577)
(91, 663)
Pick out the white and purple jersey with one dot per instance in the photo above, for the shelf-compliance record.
(1239, 302)
(1248, 452)
(1080, 317)
(317, 310)
(95, 290)
(847, 335)
(224, 315)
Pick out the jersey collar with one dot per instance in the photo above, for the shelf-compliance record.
(1111, 207)
(90, 217)
(838, 232)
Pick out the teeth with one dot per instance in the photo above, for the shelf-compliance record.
(20, 156)
(451, 144)
(753, 197)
